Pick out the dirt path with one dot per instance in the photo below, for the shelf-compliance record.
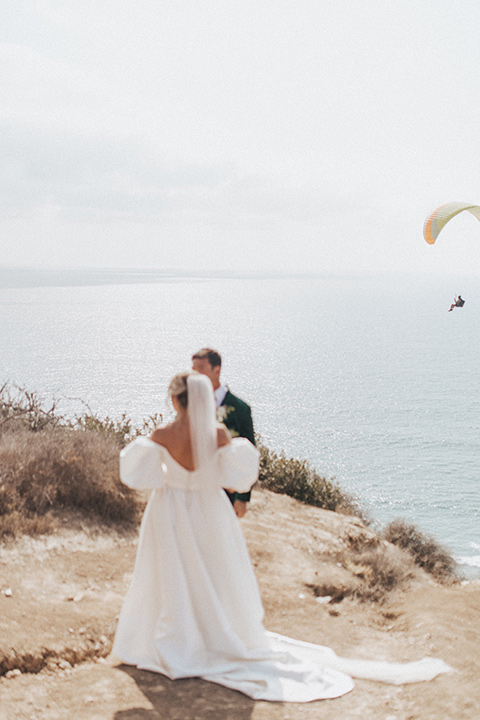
(60, 597)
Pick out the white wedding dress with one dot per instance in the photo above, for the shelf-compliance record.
(193, 608)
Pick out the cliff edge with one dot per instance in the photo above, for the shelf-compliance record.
(324, 577)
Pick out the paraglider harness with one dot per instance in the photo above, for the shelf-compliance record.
(458, 302)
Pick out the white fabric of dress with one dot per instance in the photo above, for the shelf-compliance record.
(193, 608)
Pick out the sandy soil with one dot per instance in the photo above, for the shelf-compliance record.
(60, 597)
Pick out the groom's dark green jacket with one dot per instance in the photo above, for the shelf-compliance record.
(238, 419)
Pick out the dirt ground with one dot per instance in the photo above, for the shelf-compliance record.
(60, 597)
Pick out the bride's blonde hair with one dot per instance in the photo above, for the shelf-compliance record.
(178, 388)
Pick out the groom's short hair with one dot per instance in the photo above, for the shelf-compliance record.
(213, 356)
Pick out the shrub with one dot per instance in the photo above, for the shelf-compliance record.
(122, 431)
(21, 409)
(49, 471)
(298, 479)
(16, 523)
(424, 549)
(380, 569)
(370, 570)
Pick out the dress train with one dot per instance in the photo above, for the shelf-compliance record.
(193, 608)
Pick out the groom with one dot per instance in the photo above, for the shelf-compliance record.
(236, 414)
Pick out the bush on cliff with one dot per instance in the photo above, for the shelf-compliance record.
(21, 409)
(45, 473)
(424, 549)
(50, 464)
(298, 479)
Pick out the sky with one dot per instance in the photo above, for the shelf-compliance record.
(304, 136)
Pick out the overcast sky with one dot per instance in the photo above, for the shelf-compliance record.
(284, 135)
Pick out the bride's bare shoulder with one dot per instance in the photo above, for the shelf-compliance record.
(223, 436)
(160, 434)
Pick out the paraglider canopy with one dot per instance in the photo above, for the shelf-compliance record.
(442, 215)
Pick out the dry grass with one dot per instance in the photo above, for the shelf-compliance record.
(55, 467)
(46, 472)
(380, 571)
(374, 566)
(369, 572)
(121, 430)
(424, 549)
(21, 409)
(50, 465)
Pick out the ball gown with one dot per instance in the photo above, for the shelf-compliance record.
(193, 608)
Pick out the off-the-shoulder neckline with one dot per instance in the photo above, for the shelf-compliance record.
(176, 461)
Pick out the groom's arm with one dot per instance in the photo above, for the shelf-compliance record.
(238, 418)
(247, 425)
(241, 421)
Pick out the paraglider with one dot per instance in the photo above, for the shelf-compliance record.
(437, 220)
(457, 302)
(442, 215)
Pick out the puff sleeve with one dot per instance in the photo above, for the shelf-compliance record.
(238, 464)
(141, 464)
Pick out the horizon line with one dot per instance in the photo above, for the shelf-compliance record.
(21, 276)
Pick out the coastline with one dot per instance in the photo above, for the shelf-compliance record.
(384, 416)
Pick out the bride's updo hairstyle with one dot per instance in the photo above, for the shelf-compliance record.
(178, 388)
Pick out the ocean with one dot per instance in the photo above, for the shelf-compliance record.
(370, 379)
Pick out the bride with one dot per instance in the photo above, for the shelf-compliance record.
(192, 612)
